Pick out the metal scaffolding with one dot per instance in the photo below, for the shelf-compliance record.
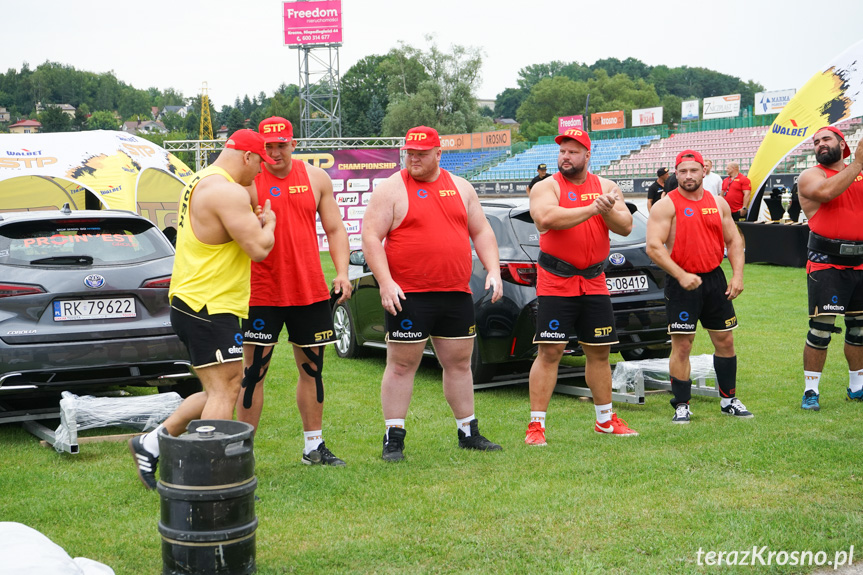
(320, 91)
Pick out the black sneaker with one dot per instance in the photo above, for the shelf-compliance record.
(475, 440)
(322, 456)
(394, 446)
(145, 462)
(681, 413)
(737, 409)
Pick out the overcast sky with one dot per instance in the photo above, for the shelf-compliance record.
(237, 46)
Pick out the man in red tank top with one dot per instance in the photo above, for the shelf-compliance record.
(573, 211)
(289, 289)
(427, 218)
(687, 233)
(831, 196)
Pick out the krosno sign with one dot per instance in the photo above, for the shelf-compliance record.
(317, 22)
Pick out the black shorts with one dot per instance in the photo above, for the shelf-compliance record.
(590, 317)
(707, 303)
(835, 292)
(307, 325)
(432, 314)
(210, 339)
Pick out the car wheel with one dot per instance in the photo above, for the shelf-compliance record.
(346, 339)
(482, 372)
(645, 353)
(184, 388)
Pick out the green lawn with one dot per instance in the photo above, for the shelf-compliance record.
(789, 480)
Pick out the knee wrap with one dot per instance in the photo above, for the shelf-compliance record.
(821, 331)
(254, 374)
(315, 369)
(854, 330)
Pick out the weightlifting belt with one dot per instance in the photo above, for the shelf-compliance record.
(838, 252)
(564, 269)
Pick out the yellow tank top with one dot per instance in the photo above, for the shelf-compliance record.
(216, 276)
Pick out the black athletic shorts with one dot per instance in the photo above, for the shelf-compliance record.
(307, 325)
(210, 339)
(432, 314)
(707, 303)
(590, 317)
(835, 292)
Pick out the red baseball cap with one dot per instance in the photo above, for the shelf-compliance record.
(249, 141)
(839, 133)
(696, 157)
(421, 138)
(276, 129)
(579, 136)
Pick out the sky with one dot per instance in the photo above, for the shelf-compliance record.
(237, 47)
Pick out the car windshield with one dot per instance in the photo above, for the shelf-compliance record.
(527, 233)
(97, 242)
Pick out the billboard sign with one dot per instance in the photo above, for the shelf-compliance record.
(689, 110)
(772, 102)
(647, 117)
(316, 22)
(475, 141)
(722, 107)
(607, 121)
(566, 122)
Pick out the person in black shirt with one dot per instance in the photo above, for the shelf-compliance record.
(654, 192)
(541, 174)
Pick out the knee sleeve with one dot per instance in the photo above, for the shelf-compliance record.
(315, 369)
(854, 330)
(254, 374)
(821, 329)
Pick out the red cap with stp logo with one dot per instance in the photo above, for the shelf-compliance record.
(689, 156)
(838, 132)
(579, 136)
(249, 141)
(421, 138)
(276, 129)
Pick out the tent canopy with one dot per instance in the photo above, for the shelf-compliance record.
(122, 171)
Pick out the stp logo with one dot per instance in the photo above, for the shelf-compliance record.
(272, 128)
(709, 211)
(416, 137)
(731, 322)
(602, 331)
(445, 193)
(323, 335)
(589, 197)
(573, 132)
(298, 189)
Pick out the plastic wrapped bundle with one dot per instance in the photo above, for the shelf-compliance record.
(649, 372)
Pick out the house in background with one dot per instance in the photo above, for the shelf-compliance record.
(144, 127)
(182, 111)
(67, 109)
(26, 127)
(4, 115)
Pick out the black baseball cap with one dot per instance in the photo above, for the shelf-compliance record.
(661, 172)
(541, 167)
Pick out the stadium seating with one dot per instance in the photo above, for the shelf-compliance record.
(466, 163)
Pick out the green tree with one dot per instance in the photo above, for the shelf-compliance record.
(507, 102)
(236, 121)
(192, 126)
(79, 121)
(361, 88)
(285, 105)
(53, 119)
(173, 121)
(102, 120)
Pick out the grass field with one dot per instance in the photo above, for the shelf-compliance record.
(789, 480)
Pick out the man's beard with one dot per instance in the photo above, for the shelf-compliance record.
(571, 171)
(829, 157)
(687, 184)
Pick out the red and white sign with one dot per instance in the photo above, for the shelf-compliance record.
(317, 22)
(564, 123)
(647, 117)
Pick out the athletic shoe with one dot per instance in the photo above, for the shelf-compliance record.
(475, 440)
(535, 434)
(395, 445)
(810, 400)
(681, 413)
(855, 395)
(737, 409)
(322, 456)
(615, 426)
(145, 462)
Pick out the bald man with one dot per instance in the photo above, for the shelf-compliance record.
(736, 189)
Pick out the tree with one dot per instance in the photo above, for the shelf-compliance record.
(362, 88)
(102, 120)
(236, 121)
(173, 121)
(53, 119)
(79, 121)
(507, 102)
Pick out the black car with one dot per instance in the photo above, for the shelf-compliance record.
(505, 329)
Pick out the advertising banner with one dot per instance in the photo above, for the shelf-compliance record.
(317, 22)
(607, 121)
(475, 141)
(647, 117)
(354, 173)
(566, 122)
(722, 107)
(689, 110)
(772, 102)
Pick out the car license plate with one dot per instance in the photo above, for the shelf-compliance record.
(626, 284)
(80, 309)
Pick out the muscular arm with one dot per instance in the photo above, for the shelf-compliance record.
(230, 203)
(547, 213)
(815, 188)
(377, 223)
(618, 219)
(658, 232)
(734, 247)
(484, 240)
(337, 236)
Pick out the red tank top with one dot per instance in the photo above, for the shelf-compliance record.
(292, 274)
(839, 219)
(430, 249)
(582, 246)
(699, 243)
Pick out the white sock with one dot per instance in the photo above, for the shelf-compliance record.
(725, 401)
(855, 380)
(400, 423)
(603, 413)
(811, 379)
(538, 416)
(464, 424)
(313, 440)
(151, 441)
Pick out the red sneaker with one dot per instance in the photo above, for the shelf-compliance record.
(614, 427)
(535, 434)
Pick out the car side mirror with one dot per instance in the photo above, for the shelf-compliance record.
(357, 258)
(632, 207)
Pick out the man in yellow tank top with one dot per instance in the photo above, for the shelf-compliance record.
(218, 234)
